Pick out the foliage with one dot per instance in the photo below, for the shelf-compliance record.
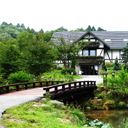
(29, 116)
(19, 77)
(116, 66)
(68, 70)
(96, 123)
(118, 85)
(10, 58)
(5, 36)
(125, 54)
(68, 51)
(59, 68)
(104, 66)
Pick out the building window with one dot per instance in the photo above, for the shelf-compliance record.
(92, 52)
(89, 52)
(85, 53)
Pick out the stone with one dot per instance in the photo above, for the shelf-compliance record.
(91, 102)
(56, 102)
(99, 102)
(104, 92)
(95, 97)
(88, 108)
(107, 104)
(105, 88)
(42, 105)
(122, 103)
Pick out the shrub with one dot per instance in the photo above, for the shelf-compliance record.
(69, 70)
(19, 77)
(59, 68)
(108, 64)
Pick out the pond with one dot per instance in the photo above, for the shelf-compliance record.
(117, 118)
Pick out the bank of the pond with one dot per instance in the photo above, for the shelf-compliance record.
(116, 118)
(45, 113)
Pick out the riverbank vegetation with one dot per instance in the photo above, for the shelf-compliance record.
(44, 114)
(113, 92)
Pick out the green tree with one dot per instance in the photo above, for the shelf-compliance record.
(93, 28)
(104, 66)
(61, 29)
(4, 23)
(116, 66)
(5, 36)
(23, 39)
(42, 30)
(89, 28)
(100, 29)
(38, 55)
(68, 51)
(13, 32)
(125, 54)
(18, 25)
(10, 58)
(22, 25)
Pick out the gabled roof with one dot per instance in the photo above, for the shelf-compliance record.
(93, 36)
(116, 37)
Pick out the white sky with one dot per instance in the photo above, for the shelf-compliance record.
(111, 15)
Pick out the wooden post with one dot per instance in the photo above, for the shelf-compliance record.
(74, 85)
(17, 88)
(40, 84)
(7, 89)
(63, 87)
(87, 83)
(69, 86)
(33, 85)
(26, 86)
(56, 91)
(79, 84)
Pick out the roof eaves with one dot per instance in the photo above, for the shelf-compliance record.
(89, 32)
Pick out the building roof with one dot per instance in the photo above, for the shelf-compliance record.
(113, 39)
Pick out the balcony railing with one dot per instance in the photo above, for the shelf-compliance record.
(93, 45)
(97, 60)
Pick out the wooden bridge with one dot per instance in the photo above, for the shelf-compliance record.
(66, 90)
(56, 89)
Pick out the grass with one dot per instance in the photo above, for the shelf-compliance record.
(56, 75)
(30, 116)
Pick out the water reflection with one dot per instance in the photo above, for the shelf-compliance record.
(117, 118)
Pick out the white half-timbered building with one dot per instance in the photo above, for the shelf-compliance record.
(104, 45)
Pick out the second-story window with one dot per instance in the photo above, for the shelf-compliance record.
(85, 53)
(92, 52)
(89, 52)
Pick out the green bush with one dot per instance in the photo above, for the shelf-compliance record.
(59, 68)
(69, 71)
(19, 77)
(108, 64)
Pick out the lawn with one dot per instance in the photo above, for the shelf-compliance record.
(34, 115)
(56, 75)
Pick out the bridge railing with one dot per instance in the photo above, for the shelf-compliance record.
(60, 88)
(26, 85)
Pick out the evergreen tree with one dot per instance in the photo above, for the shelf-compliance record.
(89, 28)
(22, 25)
(18, 25)
(100, 29)
(93, 28)
(42, 30)
(104, 66)
(125, 54)
(4, 23)
(116, 66)
(28, 29)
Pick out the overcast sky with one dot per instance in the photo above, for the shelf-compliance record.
(111, 15)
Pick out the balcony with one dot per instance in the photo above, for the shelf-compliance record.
(93, 45)
(90, 60)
